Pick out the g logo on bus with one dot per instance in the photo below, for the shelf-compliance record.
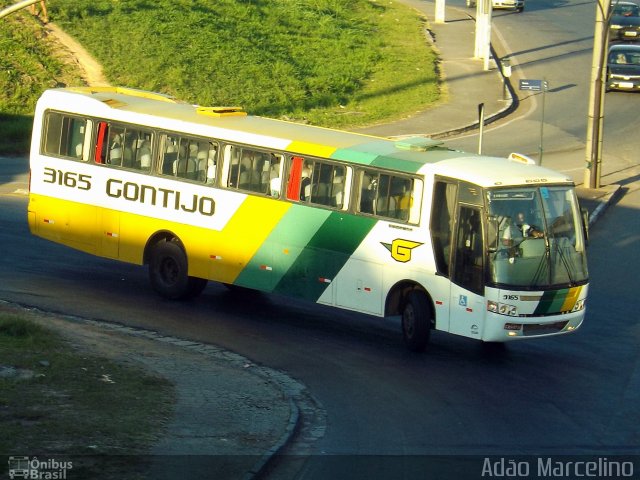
(401, 249)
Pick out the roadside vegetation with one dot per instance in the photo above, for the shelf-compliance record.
(335, 63)
(29, 64)
(58, 400)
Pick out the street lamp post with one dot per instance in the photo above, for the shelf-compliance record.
(595, 122)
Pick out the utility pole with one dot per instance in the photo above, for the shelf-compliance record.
(595, 122)
(483, 31)
(439, 13)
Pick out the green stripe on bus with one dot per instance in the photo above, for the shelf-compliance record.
(282, 247)
(328, 250)
(551, 302)
(365, 153)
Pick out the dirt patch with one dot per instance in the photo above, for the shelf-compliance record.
(90, 70)
(227, 411)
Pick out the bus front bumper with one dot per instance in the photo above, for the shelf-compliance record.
(501, 328)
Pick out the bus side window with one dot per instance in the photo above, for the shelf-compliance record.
(442, 217)
(116, 146)
(232, 161)
(207, 162)
(328, 184)
(169, 154)
(64, 135)
(317, 182)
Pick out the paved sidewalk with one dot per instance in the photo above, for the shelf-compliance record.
(466, 83)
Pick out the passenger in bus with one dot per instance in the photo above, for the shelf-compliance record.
(115, 156)
(144, 155)
(367, 193)
(275, 182)
(211, 167)
(305, 184)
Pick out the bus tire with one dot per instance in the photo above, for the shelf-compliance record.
(168, 271)
(416, 321)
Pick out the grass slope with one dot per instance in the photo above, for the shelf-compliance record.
(331, 62)
(335, 63)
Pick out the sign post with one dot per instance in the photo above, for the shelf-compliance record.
(537, 86)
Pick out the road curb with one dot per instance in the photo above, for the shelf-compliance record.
(513, 100)
(614, 191)
(262, 465)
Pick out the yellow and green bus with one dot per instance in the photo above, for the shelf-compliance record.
(484, 247)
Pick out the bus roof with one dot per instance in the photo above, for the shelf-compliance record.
(413, 155)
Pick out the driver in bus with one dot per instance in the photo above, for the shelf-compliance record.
(517, 231)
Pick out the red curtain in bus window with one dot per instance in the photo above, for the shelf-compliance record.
(100, 141)
(293, 187)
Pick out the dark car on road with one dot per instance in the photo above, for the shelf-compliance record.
(625, 22)
(623, 67)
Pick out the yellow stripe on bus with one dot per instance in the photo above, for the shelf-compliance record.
(570, 300)
(221, 255)
(306, 148)
(233, 247)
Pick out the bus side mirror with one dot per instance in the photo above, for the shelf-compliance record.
(585, 225)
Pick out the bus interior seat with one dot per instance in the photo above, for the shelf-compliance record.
(320, 193)
(185, 168)
(202, 161)
(144, 155)
(337, 191)
(385, 206)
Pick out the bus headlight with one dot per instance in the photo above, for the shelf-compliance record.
(502, 308)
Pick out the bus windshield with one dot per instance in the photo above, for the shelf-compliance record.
(535, 238)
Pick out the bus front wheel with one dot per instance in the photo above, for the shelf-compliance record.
(416, 321)
(168, 272)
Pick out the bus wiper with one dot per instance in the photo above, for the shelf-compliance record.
(564, 261)
(544, 261)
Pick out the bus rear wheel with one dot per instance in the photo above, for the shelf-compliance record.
(168, 272)
(416, 321)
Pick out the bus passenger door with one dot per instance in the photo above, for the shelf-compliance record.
(467, 274)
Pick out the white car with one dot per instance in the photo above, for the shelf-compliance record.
(517, 5)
